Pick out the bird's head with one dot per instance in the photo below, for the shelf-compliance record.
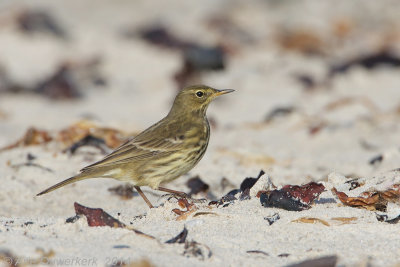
(196, 98)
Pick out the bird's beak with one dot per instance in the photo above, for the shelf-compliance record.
(224, 91)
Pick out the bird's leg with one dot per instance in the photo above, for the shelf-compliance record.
(174, 192)
(144, 197)
(180, 194)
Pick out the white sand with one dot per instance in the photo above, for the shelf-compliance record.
(139, 92)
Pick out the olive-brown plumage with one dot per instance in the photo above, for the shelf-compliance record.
(164, 151)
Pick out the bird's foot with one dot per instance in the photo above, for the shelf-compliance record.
(185, 196)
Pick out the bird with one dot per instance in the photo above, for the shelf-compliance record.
(163, 152)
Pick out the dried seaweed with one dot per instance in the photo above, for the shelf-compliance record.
(326, 261)
(180, 238)
(196, 58)
(97, 217)
(249, 182)
(387, 219)
(88, 140)
(243, 193)
(307, 81)
(376, 160)
(370, 61)
(229, 29)
(30, 164)
(73, 219)
(192, 248)
(32, 136)
(282, 200)
(273, 218)
(301, 40)
(32, 21)
(228, 199)
(197, 250)
(259, 252)
(60, 85)
(344, 220)
(354, 183)
(292, 197)
(77, 135)
(279, 112)
(159, 35)
(78, 131)
(65, 82)
(371, 200)
(196, 186)
(311, 220)
(183, 214)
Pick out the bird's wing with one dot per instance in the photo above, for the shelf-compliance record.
(149, 144)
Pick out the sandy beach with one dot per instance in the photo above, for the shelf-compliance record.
(317, 99)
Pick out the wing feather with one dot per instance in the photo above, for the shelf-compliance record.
(148, 144)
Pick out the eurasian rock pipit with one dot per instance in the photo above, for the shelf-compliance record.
(163, 152)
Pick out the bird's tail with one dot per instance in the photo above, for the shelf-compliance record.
(73, 179)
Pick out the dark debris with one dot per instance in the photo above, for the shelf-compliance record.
(326, 261)
(257, 252)
(196, 58)
(279, 112)
(97, 217)
(387, 219)
(180, 238)
(292, 197)
(196, 186)
(369, 61)
(376, 160)
(73, 219)
(273, 218)
(33, 21)
(197, 250)
(88, 140)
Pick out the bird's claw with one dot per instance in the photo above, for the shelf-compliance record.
(185, 196)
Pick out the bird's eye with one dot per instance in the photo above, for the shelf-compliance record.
(199, 93)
